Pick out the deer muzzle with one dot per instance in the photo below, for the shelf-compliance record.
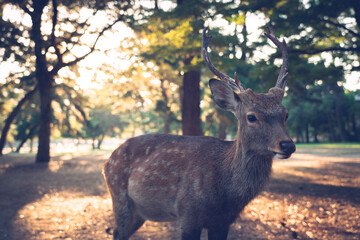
(286, 149)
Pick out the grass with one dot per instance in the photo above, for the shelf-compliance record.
(328, 145)
(330, 149)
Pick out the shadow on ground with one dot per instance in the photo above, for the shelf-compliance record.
(307, 198)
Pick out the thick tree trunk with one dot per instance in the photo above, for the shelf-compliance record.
(43, 154)
(45, 81)
(190, 111)
(12, 116)
(190, 97)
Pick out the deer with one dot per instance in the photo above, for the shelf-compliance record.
(202, 182)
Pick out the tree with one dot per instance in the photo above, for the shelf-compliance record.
(324, 32)
(101, 123)
(173, 37)
(55, 37)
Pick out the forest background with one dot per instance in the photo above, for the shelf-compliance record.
(115, 69)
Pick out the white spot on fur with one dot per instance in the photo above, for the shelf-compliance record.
(147, 151)
(118, 152)
(132, 183)
(197, 184)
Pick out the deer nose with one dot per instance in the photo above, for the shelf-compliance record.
(288, 147)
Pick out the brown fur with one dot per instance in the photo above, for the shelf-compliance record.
(202, 182)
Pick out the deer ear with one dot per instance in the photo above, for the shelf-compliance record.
(223, 95)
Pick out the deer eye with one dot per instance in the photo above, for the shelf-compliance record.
(286, 117)
(251, 118)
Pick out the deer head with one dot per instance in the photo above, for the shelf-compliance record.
(262, 117)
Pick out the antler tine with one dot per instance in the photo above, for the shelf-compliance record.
(281, 81)
(236, 84)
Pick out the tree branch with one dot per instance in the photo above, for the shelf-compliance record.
(12, 116)
(23, 6)
(92, 48)
(340, 26)
(330, 49)
(53, 37)
(67, 90)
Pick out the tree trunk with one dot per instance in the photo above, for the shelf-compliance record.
(167, 108)
(332, 135)
(31, 144)
(100, 141)
(93, 144)
(43, 154)
(190, 97)
(307, 137)
(45, 81)
(12, 116)
(340, 122)
(190, 111)
(353, 126)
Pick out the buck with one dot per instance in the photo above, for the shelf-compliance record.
(202, 182)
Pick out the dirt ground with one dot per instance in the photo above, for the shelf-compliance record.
(313, 195)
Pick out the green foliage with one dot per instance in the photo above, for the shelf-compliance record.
(323, 38)
(102, 123)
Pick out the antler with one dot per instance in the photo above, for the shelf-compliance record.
(236, 84)
(281, 81)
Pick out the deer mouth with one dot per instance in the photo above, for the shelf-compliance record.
(278, 154)
(281, 155)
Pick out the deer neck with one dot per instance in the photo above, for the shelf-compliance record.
(249, 171)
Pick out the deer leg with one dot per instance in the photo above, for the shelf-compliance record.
(190, 231)
(127, 221)
(136, 224)
(218, 233)
(193, 234)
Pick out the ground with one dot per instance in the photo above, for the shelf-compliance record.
(313, 195)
